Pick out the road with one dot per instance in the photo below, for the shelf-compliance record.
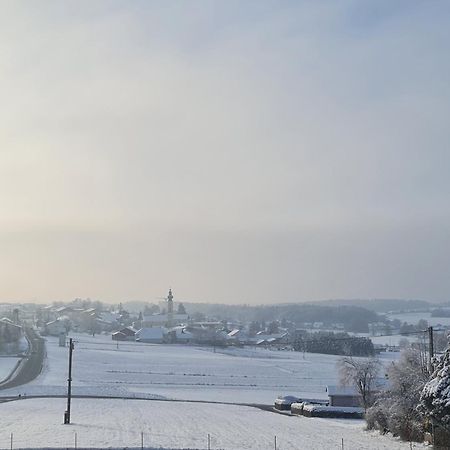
(31, 365)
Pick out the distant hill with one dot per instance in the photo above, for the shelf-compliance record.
(381, 305)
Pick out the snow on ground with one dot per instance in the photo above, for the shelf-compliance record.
(119, 423)
(183, 372)
(394, 340)
(14, 348)
(7, 365)
(9, 358)
(232, 375)
(414, 317)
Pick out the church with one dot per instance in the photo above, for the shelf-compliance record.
(167, 320)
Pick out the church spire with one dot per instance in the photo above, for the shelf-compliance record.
(170, 302)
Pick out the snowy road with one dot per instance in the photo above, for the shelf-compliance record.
(31, 365)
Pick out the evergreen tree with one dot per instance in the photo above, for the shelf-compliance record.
(435, 398)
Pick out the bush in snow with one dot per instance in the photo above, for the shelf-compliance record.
(395, 409)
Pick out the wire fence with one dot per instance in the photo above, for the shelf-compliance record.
(141, 441)
(147, 442)
(134, 441)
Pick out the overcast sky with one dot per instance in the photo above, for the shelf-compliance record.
(236, 151)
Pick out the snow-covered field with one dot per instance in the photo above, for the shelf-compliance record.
(413, 317)
(14, 348)
(100, 367)
(183, 372)
(7, 365)
(119, 424)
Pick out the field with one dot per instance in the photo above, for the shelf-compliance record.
(183, 372)
(119, 423)
(414, 317)
(162, 372)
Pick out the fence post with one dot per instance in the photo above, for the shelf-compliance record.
(275, 443)
(342, 443)
(142, 440)
(11, 441)
(209, 441)
(75, 440)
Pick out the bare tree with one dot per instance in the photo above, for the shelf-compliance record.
(362, 374)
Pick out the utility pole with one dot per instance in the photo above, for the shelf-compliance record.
(430, 347)
(69, 384)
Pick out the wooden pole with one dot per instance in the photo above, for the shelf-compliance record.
(69, 384)
(431, 347)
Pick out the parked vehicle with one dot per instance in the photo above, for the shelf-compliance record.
(283, 403)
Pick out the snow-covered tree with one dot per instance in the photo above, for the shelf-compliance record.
(435, 398)
(395, 409)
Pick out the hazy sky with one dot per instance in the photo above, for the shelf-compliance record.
(236, 151)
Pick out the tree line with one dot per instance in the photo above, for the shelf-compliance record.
(334, 344)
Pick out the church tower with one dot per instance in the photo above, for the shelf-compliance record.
(169, 309)
(170, 302)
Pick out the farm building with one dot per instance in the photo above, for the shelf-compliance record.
(237, 337)
(267, 340)
(343, 396)
(125, 334)
(181, 335)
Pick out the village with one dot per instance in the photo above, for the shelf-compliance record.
(279, 368)
(230, 386)
(169, 323)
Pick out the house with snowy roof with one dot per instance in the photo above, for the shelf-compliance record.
(153, 335)
(9, 331)
(124, 334)
(56, 327)
(180, 334)
(349, 395)
(265, 340)
(237, 337)
(343, 396)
